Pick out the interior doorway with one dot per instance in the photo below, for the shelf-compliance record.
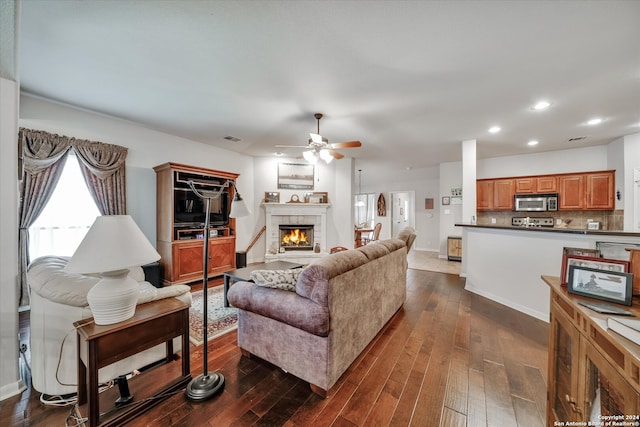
(402, 211)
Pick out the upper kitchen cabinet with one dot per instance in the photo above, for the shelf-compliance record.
(536, 185)
(600, 190)
(547, 184)
(571, 191)
(494, 194)
(590, 190)
(484, 194)
(503, 190)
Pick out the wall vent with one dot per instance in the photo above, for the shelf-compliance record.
(232, 138)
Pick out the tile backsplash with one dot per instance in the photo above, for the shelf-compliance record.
(609, 220)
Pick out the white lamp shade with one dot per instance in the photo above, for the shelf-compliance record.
(114, 242)
(239, 208)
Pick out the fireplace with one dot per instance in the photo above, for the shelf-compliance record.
(296, 237)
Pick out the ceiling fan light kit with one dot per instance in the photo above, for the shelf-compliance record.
(319, 147)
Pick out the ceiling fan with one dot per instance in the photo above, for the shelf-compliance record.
(319, 146)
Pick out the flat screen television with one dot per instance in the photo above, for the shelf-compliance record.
(189, 209)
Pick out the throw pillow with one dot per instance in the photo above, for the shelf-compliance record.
(278, 279)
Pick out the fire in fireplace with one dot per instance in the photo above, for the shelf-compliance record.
(296, 237)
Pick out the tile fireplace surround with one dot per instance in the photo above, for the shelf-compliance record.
(293, 214)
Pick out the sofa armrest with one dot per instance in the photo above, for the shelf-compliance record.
(284, 306)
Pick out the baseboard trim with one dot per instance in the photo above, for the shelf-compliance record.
(12, 389)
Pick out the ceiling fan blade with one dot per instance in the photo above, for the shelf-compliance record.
(317, 139)
(336, 155)
(348, 144)
(292, 146)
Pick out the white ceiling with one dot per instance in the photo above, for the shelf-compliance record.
(410, 79)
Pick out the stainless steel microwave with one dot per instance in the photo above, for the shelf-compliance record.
(535, 202)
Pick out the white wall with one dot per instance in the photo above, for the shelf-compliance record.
(146, 148)
(450, 177)
(615, 160)
(631, 162)
(562, 161)
(424, 183)
(10, 381)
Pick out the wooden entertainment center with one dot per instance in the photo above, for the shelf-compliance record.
(180, 222)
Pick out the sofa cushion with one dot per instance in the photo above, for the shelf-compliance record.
(284, 306)
(278, 279)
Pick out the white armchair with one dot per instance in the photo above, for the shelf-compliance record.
(58, 299)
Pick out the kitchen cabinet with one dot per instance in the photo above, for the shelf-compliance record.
(454, 248)
(525, 185)
(576, 191)
(503, 190)
(571, 192)
(484, 194)
(179, 223)
(494, 194)
(592, 372)
(536, 184)
(547, 184)
(600, 190)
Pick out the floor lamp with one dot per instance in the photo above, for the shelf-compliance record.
(208, 383)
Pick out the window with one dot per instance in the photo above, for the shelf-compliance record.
(364, 210)
(67, 217)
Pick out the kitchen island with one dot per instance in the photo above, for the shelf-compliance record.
(504, 264)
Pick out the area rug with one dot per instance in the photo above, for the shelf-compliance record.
(220, 319)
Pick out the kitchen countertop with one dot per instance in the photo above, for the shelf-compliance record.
(553, 230)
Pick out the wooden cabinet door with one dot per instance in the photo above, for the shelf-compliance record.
(503, 191)
(187, 261)
(525, 185)
(564, 347)
(571, 191)
(605, 391)
(484, 194)
(546, 184)
(222, 255)
(600, 190)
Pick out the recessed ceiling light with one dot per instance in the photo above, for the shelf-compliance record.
(494, 129)
(532, 142)
(595, 121)
(279, 153)
(541, 105)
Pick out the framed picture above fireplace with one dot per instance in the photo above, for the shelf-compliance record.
(294, 176)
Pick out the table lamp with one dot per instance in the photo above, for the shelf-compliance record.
(113, 244)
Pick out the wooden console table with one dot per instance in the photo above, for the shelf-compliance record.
(153, 323)
(594, 373)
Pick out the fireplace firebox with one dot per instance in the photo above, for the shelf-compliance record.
(296, 237)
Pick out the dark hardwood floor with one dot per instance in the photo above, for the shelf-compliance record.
(447, 358)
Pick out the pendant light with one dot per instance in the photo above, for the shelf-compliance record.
(359, 203)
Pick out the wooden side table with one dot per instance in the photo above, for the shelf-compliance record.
(100, 345)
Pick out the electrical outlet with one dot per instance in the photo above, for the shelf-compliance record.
(493, 220)
(447, 211)
(558, 221)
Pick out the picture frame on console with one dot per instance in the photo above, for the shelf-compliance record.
(582, 251)
(606, 264)
(610, 286)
